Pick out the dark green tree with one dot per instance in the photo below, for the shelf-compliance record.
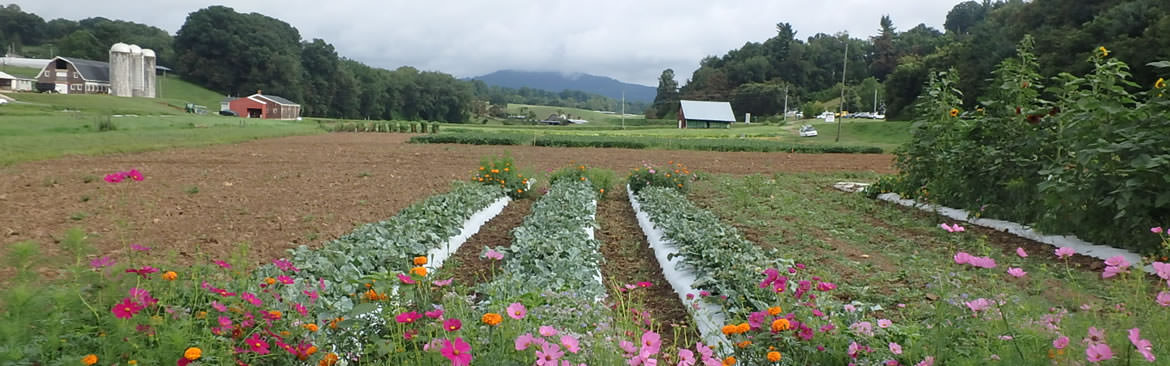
(666, 101)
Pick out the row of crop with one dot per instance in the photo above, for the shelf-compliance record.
(637, 142)
(383, 126)
(554, 248)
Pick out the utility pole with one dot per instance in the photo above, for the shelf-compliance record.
(785, 103)
(623, 108)
(874, 100)
(841, 106)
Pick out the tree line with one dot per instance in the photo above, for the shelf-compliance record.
(895, 64)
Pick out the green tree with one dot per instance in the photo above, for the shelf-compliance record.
(666, 101)
(885, 55)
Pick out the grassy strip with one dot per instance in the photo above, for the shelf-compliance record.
(631, 142)
(551, 250)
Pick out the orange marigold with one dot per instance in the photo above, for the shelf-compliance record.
(89, 359)
(420, 260)
(744, 344)
(421, 271)
(333, 323)
(328, 360)
(774, 356)
(779, 325)
(170, 276)
(270, 281)
(311, 327)
(743, 328)
(729, 329)
(492, 319)
(730, 360)
(775, 310)
(193, 353)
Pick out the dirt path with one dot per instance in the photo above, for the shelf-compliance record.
(629, 260)
(469, 268)
(276, 194)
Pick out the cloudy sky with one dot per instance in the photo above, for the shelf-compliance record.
(630, 40)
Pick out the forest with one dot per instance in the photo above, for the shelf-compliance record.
(896, 63)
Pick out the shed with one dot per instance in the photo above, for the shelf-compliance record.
(13, 83)
(705, 112)
(75, 76)
(265, 106)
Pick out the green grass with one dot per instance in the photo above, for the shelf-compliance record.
(175, 89)
(22, 72)
(637, 142)
(542, 112)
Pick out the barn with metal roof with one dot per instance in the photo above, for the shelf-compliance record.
(68, 75)
(693, 111)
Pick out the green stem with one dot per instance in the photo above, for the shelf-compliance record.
(1007, 326)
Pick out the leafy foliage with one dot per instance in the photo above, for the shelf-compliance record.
(673, 175)
(499, 171)
(637, 142)
(601, 180)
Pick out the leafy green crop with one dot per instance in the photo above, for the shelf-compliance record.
(636, 142)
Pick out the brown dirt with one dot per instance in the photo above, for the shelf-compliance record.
(629, 260)
(275, 194)
(471, 269)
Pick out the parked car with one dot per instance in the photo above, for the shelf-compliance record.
(807, 131)
(228, 112)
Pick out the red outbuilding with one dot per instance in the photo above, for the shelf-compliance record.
(265, 106)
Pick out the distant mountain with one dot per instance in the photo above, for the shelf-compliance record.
(556, 82)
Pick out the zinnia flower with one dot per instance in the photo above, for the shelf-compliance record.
(89, 359)
(774, 356)
(420, 271)
(257, 344)
(170, 276)
(492, 319)
(459, 352)
(193, 353)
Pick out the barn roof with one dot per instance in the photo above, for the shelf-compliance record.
(276, 99)
(90, 70)
(4, 75)
(707, 111)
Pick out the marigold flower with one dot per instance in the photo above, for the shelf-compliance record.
(729, 329)
(270, 281)
(730, 360)
(311, 327)
(780, 325)
(492, 319)
(774, 356)
(421, 271)
(775, 310)
(170, 276)
(132, 362)
(1161, 83)
(333, 323)
(744, 344)
(89, 359)
(193, 353)
(954, 112)
(328, 360)
(420, 260)
(743, 328)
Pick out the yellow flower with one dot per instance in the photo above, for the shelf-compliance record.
(492, 319)
(170, 276)
(419, 271)
(89, 359)
(1104, 52)
(193, 353)
(1161, 83)
(132, 362)
(954, 112)
(774, 356)
(775, 310)
(420, 260)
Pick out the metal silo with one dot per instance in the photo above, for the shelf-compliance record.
(148, 79)
(120, 70)
(136, 84)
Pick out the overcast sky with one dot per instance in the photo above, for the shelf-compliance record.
(630, 40)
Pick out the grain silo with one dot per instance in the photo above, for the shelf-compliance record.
(148, 80)
(120, 70)
(136, 70)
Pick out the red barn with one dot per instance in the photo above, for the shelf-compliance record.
(265, 106)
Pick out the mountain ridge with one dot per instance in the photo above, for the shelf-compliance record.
(558, 81)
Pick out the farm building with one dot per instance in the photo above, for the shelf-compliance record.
(265, 106)
(74, 76)
(132, 71)
(12, 83)
(692, 111)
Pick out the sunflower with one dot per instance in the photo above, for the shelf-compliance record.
(954, 112)
(1161, 83)
(1104, 52)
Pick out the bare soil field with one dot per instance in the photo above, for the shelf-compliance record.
(276, 194)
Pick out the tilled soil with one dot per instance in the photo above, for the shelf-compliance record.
(469, 268)
(276, 194)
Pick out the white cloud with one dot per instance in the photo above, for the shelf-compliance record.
(628, 40)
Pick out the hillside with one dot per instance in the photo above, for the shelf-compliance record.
(556, 82)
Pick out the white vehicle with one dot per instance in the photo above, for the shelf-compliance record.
(807, 131)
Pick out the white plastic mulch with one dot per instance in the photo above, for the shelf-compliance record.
(1082, 247)
(438, 255)
(708, 318)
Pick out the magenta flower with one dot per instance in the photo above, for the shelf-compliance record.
(225, 322)
(442, 283)
(139, 247)
(144, 271)
(1098, 352)
(434, 314)
(219, 307)
(953, 229)
(1065, 252)
(142, 296)
(645, 284)
(826, 286)
(1156, 230)
(223, 264)
(452, 325)
(285, 265)
(135, 175)
(547, 331)
(301, 309)
(549, 354)
(284, 280)
(517, 311)
(405, 279)
(651, 344)
(256, 344)
(895, 348)
(126, 309)
(113, 178)
(252, 299)
(1162, 269)
(1060, 343)
(492, 254)
(1020, 252)
(884, 323)
(928, 361)
(408, 317)
(523, 341)
(459, 352)
(979, 304)
(1016, 272)
(1163, 298)
(570, 343)
(1143, 345)
(101, 262)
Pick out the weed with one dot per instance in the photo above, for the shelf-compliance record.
(89, 179)
(192, 190)
(78, 216)
(364, 175)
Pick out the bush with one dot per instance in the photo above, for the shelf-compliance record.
(673, 175)
(602, 180)
(638, 142)
(499, 171)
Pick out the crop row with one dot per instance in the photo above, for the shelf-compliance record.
(554, 249)
(636, 142)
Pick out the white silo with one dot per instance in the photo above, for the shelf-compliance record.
(120, 70)
(148, 79)
(136, 70)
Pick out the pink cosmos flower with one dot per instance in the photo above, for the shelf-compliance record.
(408, 317)
(139, 247)
(1020, 252)
(864, 328)
(1065, 252)
(1095, 336)
(686, 357)
(1117, 260)
(142, 296)
(1162, 270)
(219, 307)
(405, 279)
(1060, 343)
(252, 299)
(963, 257)
(523, 341)
(492, 254)
(928, 361)
(651, 343)
(549, 354)
(983, 262)
(452, 325)
(570, 343)
(895, 348)
(517, 311)
(850, 308)
(126, 309)
(979, 304)
(1016, 272)
(223, 264)
(1163, 298)
(459, 352)
(101, 262)
(1098, 352)
(628, 347)
(225, 322)
(884, 323)
(1143, 345)
(144, 271)
(547, 331)
(434, 314)
(257, 344)
(442, 283)
(285, 265)
(1156, 230)
(854, 349)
